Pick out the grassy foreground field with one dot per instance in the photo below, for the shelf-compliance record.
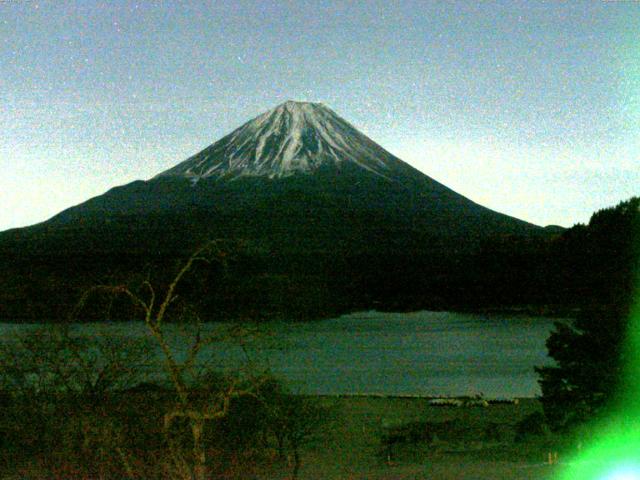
(472, 442)
(364, 437)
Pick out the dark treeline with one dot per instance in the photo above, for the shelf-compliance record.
(592, 353)
(556, 272)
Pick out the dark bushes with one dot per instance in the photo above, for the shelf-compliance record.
(96, 420)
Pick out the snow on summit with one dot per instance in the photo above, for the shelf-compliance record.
(294, 137)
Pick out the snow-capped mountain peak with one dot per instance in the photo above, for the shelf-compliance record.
(294, 137)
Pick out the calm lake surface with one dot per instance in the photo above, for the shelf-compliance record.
(421, 353)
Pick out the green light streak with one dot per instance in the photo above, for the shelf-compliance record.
(613, 451)
(613, 447)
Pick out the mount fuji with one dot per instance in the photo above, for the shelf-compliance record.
(305, 191)
(302, 150)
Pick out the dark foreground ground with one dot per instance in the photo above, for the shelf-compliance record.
(403, 438)
(379, 438)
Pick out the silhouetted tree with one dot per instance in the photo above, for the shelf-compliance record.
(589, 361)
(589, 351)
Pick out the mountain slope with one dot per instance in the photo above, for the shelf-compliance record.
(313, 200)
(306, 151)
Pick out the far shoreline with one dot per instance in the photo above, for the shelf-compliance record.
(417, 396)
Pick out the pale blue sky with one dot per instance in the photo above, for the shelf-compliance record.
(532, 109)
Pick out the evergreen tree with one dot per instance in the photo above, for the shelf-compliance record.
(589, 352)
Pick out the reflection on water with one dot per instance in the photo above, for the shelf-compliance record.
(421, 353)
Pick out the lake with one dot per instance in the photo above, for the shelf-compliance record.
(420, 353)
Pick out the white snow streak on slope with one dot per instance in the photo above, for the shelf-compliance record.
(294, 137)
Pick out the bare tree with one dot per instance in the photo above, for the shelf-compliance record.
(294, 420)
(191, 405)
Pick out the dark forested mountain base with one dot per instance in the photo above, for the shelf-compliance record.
(287, 279)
